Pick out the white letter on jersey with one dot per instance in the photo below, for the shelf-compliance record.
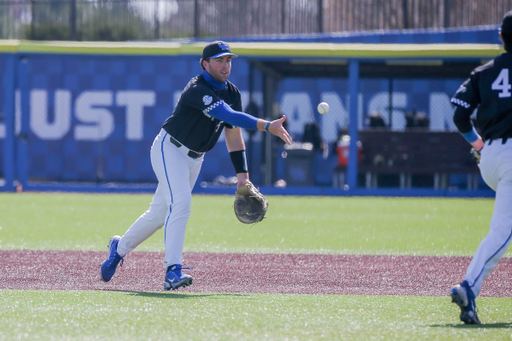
(135, 101)
(39, 122)
(502, 84)
(101, 120)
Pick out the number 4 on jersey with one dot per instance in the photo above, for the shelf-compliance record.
(502, 84)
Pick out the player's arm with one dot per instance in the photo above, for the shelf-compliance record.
(236, 148)
(466, 100)
(276, 128)
(223, 112)
(461, 118)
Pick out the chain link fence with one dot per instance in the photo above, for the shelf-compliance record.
(123, 20)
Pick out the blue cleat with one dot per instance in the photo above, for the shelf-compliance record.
(463, 296)
(174, 278)
(108, 267)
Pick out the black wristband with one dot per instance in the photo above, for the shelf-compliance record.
(239, 160)
(267, 125)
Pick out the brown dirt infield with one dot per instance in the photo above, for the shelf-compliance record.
(250, 273)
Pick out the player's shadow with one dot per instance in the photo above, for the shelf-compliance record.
(173, 295)
(497, 325)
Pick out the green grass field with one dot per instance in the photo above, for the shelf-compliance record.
(397, 226)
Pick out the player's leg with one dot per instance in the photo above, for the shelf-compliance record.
(497, 172)
(178, 177)
(149, 222)
(489, 253)
(194, 174)
(175, 238)
(496, 168)
(495, 244)
(153, 219)
(180, 206)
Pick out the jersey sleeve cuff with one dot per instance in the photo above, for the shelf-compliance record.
(471, 136)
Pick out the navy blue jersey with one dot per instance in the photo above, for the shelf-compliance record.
(190, 123)
(488, 88)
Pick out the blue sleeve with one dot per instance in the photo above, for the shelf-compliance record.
(223, 112)
(471, 136)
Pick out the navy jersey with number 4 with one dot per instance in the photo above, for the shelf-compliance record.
(489, 87)
(190, 123)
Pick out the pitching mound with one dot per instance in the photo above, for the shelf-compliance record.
(251, 273)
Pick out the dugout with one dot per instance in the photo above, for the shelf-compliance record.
(387, 63)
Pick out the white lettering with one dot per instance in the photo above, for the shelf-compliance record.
(336, 119)
(135, 101)
(441, 112)
(298, 110)
(380, 103)
(98, 123)
(100, 120)
(39, 122)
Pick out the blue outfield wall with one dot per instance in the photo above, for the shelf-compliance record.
(96, 116)
(100, 114)
(93, 118)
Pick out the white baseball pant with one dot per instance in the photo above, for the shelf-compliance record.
(171, 205)
(496, 170)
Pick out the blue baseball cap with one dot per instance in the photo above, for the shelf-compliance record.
(217, 49)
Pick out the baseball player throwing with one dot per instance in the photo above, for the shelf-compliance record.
(489, 88)
(208, 104)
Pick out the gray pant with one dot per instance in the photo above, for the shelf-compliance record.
(496, 170)
(177, 173)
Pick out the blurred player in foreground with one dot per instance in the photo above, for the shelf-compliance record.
(488, 88)
(208, 104)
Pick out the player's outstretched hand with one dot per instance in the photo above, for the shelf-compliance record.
(277, 129)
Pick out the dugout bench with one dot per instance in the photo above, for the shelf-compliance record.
(412, 153)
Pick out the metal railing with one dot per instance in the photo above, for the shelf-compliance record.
(121, 20)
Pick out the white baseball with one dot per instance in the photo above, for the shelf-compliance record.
(323, 108)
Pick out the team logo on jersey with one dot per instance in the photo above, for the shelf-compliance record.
(207, 100)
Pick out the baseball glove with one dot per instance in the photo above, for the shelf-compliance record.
(250, 205)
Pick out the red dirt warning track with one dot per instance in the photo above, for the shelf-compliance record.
(250, 273)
